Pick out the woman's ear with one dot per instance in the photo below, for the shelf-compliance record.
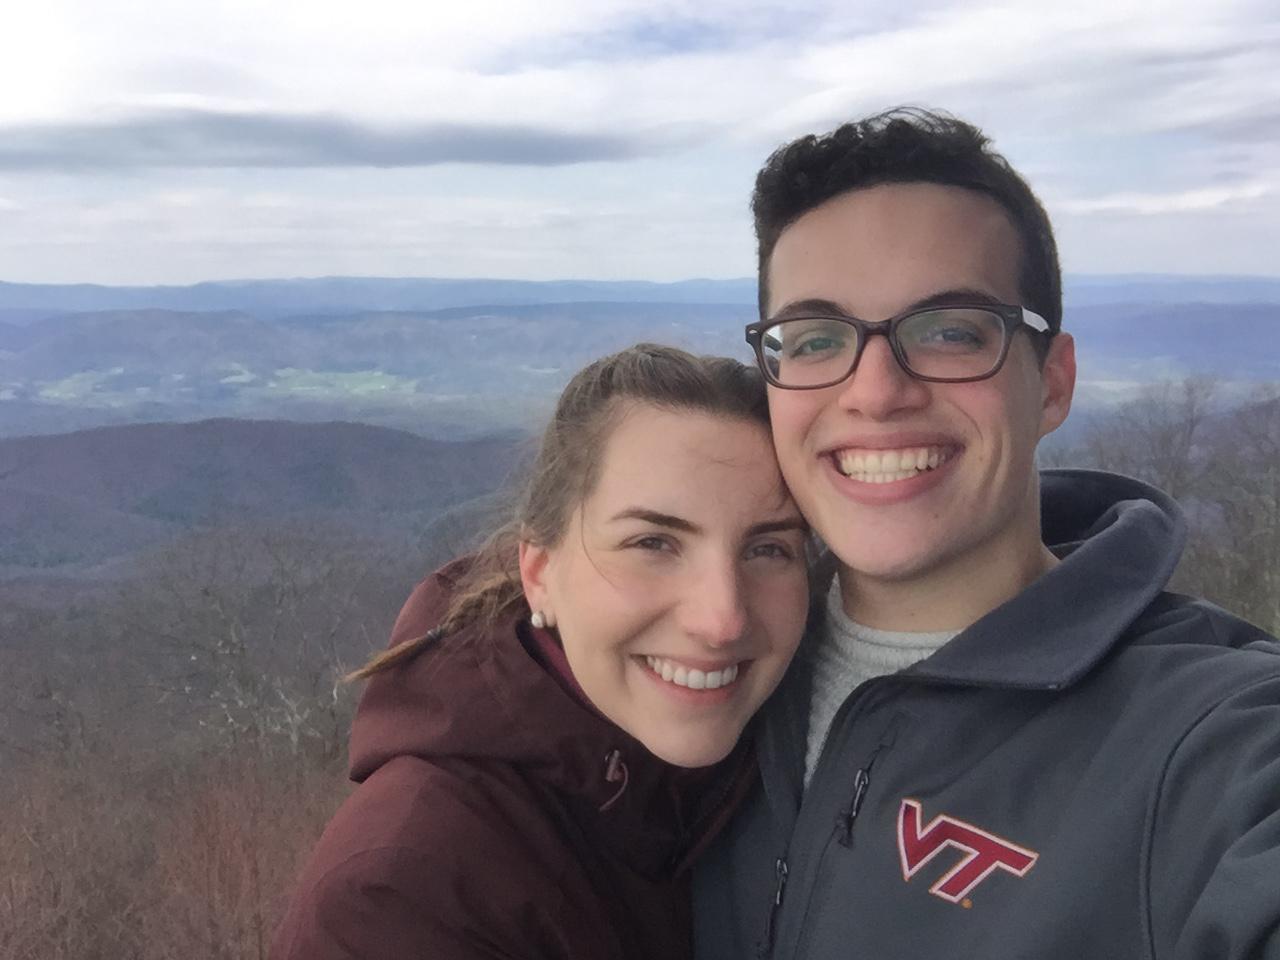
(534, 563)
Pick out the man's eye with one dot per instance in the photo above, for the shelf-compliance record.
(815, 345)
(957, 336)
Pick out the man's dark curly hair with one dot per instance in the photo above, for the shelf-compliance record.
(906, 145)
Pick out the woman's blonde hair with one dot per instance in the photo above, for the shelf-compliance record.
(567, 466)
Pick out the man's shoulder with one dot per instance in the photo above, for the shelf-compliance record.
(1177, 620)
(1184, 659)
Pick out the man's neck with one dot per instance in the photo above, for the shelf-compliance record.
(950, 596)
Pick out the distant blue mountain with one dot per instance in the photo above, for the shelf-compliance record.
(492, 353)
(1151, 341)
(1085, 290)
(22, 303)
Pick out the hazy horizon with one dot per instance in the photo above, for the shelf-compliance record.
(1068, 277)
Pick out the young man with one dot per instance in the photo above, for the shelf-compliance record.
(1006, 740)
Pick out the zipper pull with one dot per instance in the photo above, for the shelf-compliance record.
(844, 822)
(765, 947)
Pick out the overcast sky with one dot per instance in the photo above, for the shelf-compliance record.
(147, 142)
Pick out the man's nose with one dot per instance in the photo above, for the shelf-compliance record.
(879, 388)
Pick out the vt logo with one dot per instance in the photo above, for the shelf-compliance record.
(981, 853)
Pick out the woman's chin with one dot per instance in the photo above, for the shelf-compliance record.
(691, 755)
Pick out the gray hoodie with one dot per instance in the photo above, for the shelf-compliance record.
(1092, 770)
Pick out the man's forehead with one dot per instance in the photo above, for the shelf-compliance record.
(886, 246)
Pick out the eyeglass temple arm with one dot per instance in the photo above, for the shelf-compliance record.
(1035, 321)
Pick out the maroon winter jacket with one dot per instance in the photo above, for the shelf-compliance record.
(500, 816)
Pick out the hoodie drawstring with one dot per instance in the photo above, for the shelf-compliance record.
(615, 771)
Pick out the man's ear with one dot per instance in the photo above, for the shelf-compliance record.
(1058, 382)
(534, 561)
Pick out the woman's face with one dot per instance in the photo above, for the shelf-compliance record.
(679, 588)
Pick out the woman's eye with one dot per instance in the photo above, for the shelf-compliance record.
(652, 543)
(774, 551)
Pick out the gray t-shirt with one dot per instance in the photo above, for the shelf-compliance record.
(848, 654)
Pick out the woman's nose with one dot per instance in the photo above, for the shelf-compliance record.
(714, 607)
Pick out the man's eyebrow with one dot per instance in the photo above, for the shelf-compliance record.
(829, 308)
(657, 518)
(957, 295)
(813, 307)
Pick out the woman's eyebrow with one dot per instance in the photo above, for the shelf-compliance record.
(656, 517)
(777, 526)
(686, 526)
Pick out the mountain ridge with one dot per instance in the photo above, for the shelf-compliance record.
(97, 493)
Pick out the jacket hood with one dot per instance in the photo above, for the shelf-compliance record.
(505, 696)
(1119, 541)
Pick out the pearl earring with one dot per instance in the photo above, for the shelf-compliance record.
(538, 620)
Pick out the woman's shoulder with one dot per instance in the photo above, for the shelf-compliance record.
(446, 809)
(429, 600)
(424, 854)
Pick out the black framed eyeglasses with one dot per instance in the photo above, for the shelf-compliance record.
(955, 343)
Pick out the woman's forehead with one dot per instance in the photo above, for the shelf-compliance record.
(691, 460)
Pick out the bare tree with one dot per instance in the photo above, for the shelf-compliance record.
(1155, 437)
(255, 626)
(1224, 469)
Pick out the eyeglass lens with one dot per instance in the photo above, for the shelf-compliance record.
(948, 344)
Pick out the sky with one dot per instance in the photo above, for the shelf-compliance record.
(149, 143)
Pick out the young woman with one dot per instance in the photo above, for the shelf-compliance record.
(553, 734)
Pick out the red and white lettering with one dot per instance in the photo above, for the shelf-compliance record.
(983, 852)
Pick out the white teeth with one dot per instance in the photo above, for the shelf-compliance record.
(889, 466)
(692, 679)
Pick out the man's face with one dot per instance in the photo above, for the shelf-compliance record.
(850, 452)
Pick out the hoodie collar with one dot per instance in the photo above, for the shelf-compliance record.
(1119, 541)
(506, 695)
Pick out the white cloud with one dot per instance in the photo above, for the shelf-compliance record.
(780, 70)
(1117, 110)
(1184, 201)
(409, 224)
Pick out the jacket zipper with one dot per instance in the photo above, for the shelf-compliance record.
(764, 948)
(861, 783)
(850, 707)
(844, 834)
